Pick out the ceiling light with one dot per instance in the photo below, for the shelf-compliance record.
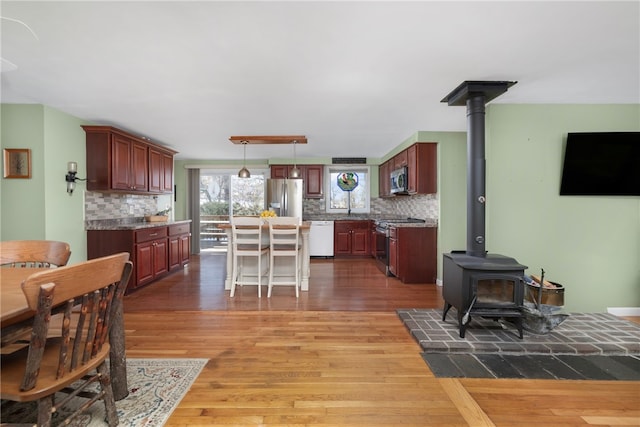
(295, 172)
(244, 172)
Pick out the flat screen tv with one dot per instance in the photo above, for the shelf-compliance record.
(601, 164)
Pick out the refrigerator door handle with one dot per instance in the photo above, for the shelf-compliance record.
(285, 200)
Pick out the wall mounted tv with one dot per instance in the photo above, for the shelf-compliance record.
(601, 164)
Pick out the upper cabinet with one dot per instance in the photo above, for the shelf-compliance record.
(119, 161)
(311, 174)
(421, 162)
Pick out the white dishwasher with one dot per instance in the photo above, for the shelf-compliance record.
(321, 239)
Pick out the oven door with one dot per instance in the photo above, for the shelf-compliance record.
(382, 251)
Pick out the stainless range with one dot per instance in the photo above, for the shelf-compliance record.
(382, 240)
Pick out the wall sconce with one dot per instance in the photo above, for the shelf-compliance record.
(72, 170)
(244, 172)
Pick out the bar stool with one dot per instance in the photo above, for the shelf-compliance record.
(247, 243)
(284, 238)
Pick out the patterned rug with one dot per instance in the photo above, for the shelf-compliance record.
(156, 387)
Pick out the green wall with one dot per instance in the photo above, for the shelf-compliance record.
(40, 208)
(591, 245)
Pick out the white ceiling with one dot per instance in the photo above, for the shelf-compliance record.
(357, 78)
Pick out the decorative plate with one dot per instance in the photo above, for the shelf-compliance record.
(347, 181)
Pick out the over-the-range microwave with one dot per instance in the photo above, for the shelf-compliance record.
(399, 181)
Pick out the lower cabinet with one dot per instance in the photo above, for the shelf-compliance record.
(151, 252)
(179, 246)
(154, 251)
(351, 238)
(412, 254)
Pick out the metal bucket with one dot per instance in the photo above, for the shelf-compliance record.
(550, 296)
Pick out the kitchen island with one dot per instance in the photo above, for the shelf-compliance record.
(304, 231)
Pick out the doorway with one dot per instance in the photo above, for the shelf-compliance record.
(222, 195)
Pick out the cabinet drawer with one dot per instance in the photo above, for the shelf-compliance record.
(178, 229)
(150, 234)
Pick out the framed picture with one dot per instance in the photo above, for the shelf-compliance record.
(17, 163)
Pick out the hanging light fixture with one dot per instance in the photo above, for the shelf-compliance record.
(244, 172)
(295, 172)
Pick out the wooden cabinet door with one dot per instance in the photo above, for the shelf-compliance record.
(167, 169)
(144, 263)
(393, 256)
(160, 171)
(156, 171)
(400, 159)
(313, 181)
(185, 249)
(360, 239)
(160, 257)
(175, 259)
(384, 178)
(279, 171)
(412, 169)
(121, 163)
(139, 167)
(342, 238)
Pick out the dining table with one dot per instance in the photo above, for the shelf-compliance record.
(16, 317)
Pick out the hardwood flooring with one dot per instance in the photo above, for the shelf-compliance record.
(337, 356)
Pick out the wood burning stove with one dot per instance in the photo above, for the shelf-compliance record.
(489, 286)
(474, 282)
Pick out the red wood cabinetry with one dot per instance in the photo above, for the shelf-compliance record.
(118, 161)
(179, 246)
(160, 171)
(421, 160)
(412, 254)
(351, 238)
(422, 167)
(154, 251)
(311, 174)
(384, 178)
(151, 251)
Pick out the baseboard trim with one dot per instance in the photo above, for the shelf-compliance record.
(438, 282)
(624, 311)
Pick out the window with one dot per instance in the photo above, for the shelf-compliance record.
(223, 193)
(348, 189)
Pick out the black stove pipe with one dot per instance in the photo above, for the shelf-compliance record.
(475, 94)
(476, 182)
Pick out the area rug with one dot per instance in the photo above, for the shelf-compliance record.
(156, 387)
(595, 346)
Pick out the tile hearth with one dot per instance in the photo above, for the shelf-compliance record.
(593, 346)
(581, 333)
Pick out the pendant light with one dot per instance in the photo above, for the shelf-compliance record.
(295, 172)
(244, 172)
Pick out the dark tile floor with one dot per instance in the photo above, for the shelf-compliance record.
(596, 346)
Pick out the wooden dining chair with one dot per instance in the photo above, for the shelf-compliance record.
(246, 233)
(73, 358)
(34, 253)
(284, 241)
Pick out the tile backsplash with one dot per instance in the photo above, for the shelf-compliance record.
(425, 206)
(98, 206)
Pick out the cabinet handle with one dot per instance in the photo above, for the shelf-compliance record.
(153, 234)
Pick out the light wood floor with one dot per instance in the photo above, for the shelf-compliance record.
(337, 356)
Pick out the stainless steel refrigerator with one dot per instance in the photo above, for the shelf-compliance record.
(284, 196)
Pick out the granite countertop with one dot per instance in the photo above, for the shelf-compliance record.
(128, 224)
(427, 223)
